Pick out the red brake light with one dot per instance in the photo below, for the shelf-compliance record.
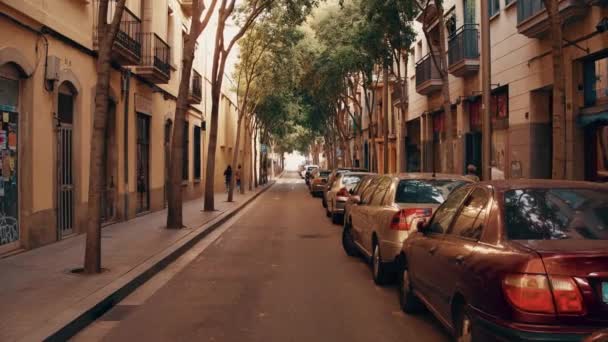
(532, 293)
(342, 193)
(568, 298)
(404, 219)
(529, 292)
(316, 181)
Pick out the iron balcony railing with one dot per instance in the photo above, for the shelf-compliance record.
(156, 52)
(463, 44)
(129, 31)
(397, 93)
(528, 8)
(196, 86)
(426, 70)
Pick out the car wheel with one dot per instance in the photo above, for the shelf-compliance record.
(379, 271)
(407, 299)
(464, 327)
(348, 243)
(324, 202)
(336, 218)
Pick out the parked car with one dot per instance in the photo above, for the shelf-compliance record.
(305, 170)
(309, 170)
(332, 178)
(355, 194)
(388, 212)
(318, 182)
(513, 260)
(338, 193)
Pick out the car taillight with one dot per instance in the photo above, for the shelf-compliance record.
(533, 293)
(342, 192)
(568, 297)
(316, 181)
(405, 217)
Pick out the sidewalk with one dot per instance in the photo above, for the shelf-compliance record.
(40, 297)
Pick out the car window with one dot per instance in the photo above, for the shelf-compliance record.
(325, 173)
(378, 195)
(444, 215)
(367, 193)
(556, 214)
(431, 191)
(471, 218)
(350, 181)
(362, 185)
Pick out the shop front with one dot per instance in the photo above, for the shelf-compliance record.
(593, 118)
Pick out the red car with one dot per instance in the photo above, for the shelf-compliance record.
(513, 260)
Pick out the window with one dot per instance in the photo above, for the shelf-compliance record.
(350, 181)
(426, 191)
(493, 7)
(197, 152)
(596, 81)
(601, 154)
(367, 193)
(362, 185)
(469, 222)
(185, 153)
(556, 214)
(379, 193)
(443, 216)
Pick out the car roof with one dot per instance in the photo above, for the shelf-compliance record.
(430, 175)
(358, 173)
(355, 169)
(504, 185)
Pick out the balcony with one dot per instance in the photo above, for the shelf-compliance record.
(186, 6)
(195, 93)
(397, 94)
(463, 51)
(428, 79)
(533, 21)
(127, 46)
(155, 65)
(429, 16)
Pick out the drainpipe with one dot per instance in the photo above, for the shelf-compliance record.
(126, 88)
(486, 91)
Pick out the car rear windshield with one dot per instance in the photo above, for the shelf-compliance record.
(350, 181)
(325, 173)
(430, 191)
(556, 214)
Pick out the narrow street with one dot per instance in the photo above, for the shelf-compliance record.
(278, 273)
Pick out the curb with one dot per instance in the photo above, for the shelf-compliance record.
(72, 320)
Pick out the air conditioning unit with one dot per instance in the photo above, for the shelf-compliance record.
(52, 68)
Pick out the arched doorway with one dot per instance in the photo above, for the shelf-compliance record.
(10, 86)
(65, 159)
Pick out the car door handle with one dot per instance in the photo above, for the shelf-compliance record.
(432, 250)
(459, 259)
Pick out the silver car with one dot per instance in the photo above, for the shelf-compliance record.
(338, 193)
(388, 211)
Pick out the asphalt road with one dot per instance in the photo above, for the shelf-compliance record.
(277, 274)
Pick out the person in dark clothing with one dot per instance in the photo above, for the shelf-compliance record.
(228, 177)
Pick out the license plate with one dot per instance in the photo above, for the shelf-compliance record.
(605, 292)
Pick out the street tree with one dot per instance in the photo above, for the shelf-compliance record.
(431, 11)
(174, 193)
(106, 33)
(559, 95)
(244, 16)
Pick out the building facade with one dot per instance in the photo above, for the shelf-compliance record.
(47, 88)
(521, 102)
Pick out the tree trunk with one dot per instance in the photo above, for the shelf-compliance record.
(174, 193)
(235, 158)
(107, 35)
(255, 157)
(559, 96)
(385, 116)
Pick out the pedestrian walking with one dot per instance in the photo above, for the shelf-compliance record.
(472, 172)
(228, 177)
(237, 176)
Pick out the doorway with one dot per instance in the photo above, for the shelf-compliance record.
(143, 163)
(9, 201)
(65, 160)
